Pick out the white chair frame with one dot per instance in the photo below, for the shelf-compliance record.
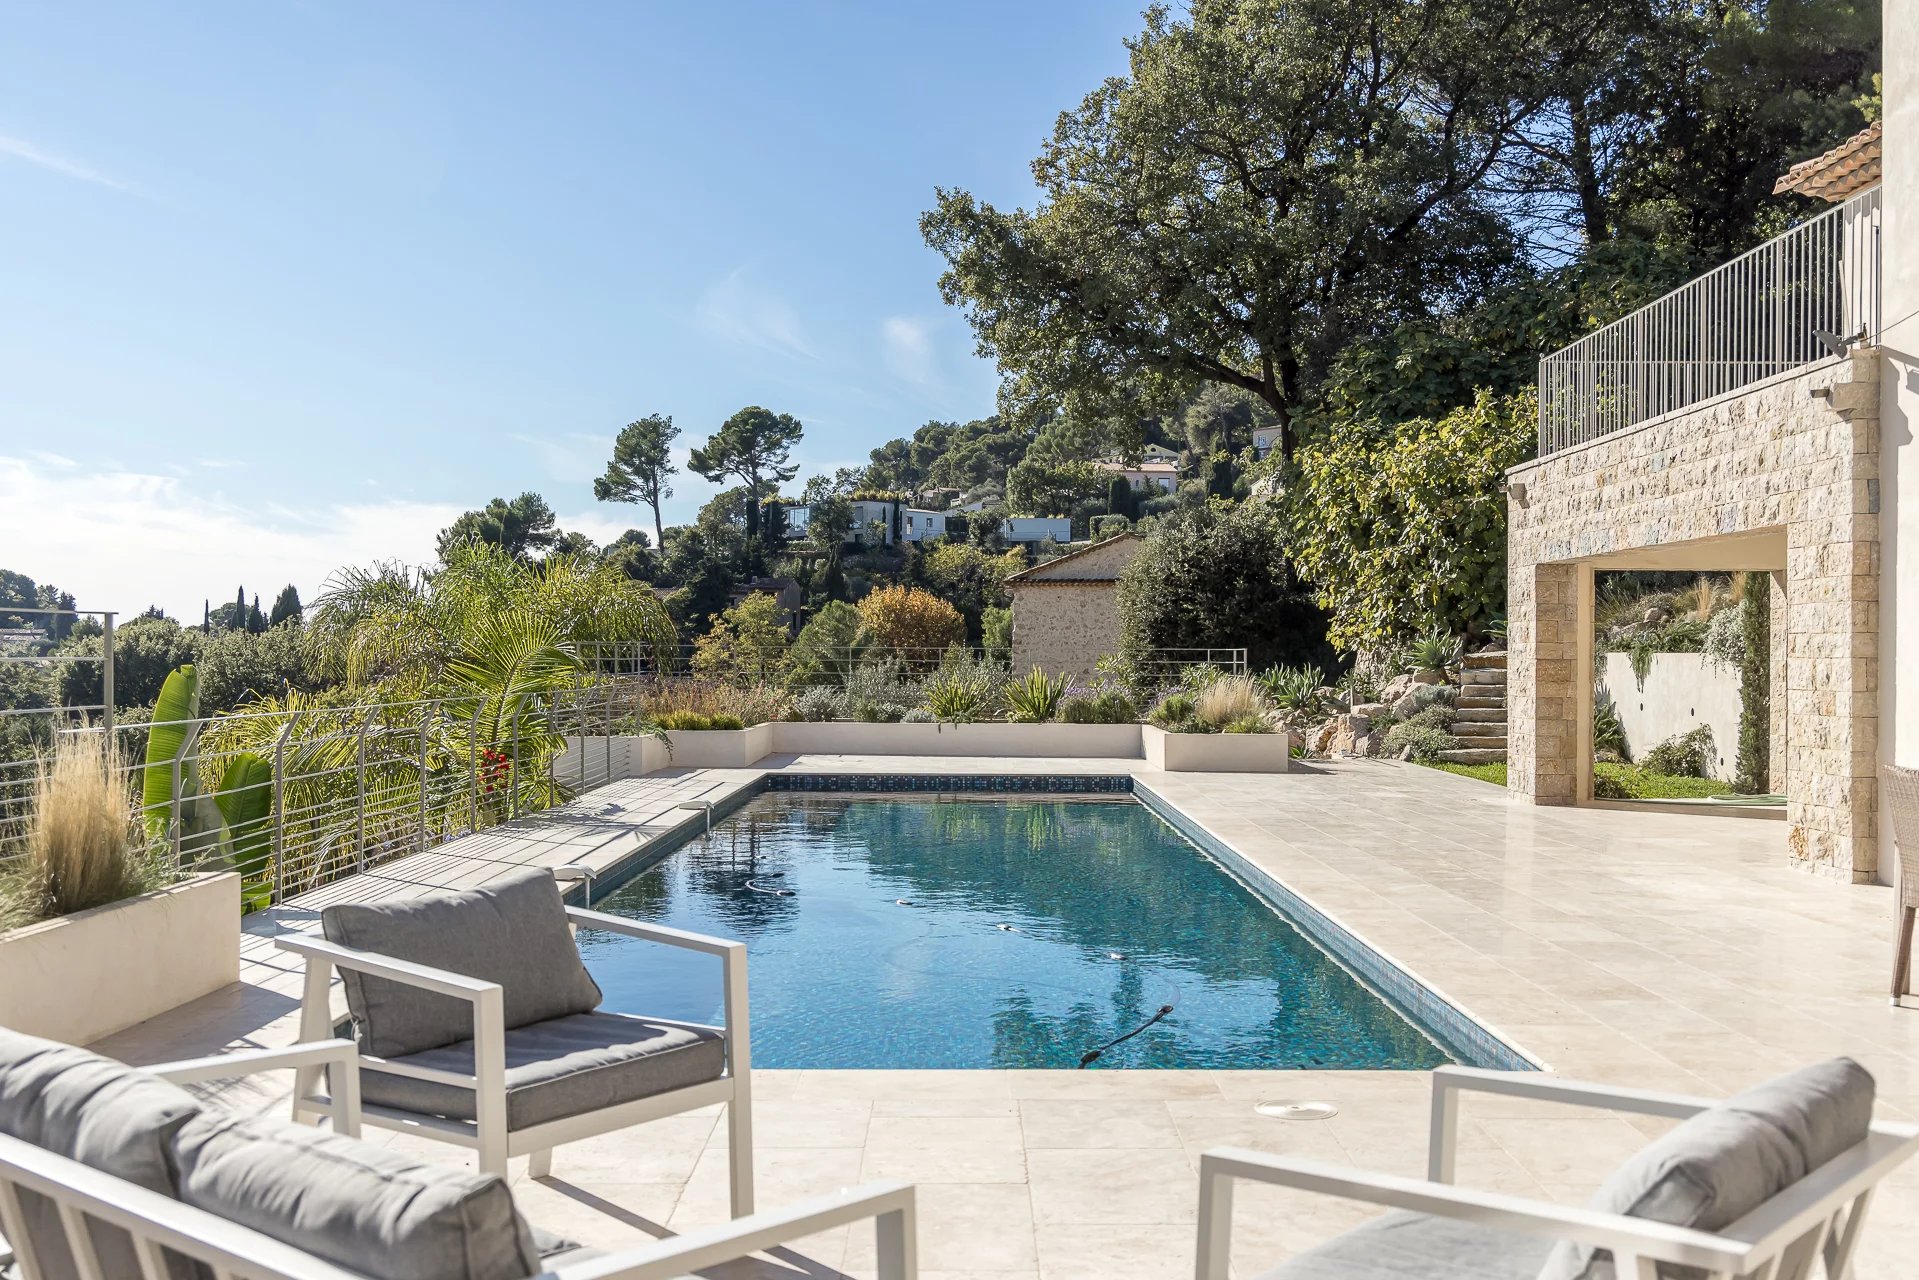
(488, 1135)
(233, 1252)
(1818, 1217)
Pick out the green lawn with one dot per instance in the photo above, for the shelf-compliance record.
(1494, 773)
(1612, 782)
(1624, 782)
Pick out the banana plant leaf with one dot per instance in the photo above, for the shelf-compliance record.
(171, 737)
(245, 799)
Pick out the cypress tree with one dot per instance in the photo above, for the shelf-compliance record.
(1753, 775)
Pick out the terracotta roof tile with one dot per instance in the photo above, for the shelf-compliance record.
(1847, 169)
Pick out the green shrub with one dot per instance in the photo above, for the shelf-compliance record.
(918, 715)
(1752, 773)
(1035, 698)
(820, 704)
(1609, 734)
(1687, 755)
(1174, 710)
(1248, 724)
(1109, 707)
(1424, 741)
(1437, 716)
(683, 720)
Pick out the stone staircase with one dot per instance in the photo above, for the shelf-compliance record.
(1480, 724)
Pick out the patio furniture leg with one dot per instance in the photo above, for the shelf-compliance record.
(739, 1148)
(1902, 954)
(540, 1163)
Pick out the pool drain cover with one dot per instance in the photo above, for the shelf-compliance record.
(1297, 1110)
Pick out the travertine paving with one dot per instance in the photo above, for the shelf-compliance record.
(1653, 948)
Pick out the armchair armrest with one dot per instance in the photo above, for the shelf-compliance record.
(487, 998)
(444, 981)
(889, 1204)
(340, 1057)
(732, 967)
(1627, 1237)
(725, 948)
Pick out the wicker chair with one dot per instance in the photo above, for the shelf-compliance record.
(1902, 795)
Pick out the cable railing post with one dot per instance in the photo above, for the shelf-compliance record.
(359, 797)
(420, 830)
(106, 672)
(473, 769)
(279, 808)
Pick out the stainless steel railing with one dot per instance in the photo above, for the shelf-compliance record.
(1800, 298)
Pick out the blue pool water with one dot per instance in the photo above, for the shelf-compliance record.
(908, 931)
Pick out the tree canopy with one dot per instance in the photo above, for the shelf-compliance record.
(642, 467)
(754, 445)
(520, 528)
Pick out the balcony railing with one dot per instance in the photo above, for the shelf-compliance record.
(1793, 301)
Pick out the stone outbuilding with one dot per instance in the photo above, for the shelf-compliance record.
(1066, 611)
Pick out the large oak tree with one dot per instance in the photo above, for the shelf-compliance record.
(1271, 180)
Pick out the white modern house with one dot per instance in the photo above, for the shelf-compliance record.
(1758, 419)
(1025, 529)
(879, 521)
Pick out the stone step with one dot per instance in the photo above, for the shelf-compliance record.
(1488, 701)
(1476, 661)
(1478, 733)
(1480, 715)
(1474, 755)
(1482, 739)
(1483, 677)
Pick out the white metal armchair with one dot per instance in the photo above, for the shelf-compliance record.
(1811, 1121)
(478, 1025)
(116, 1174)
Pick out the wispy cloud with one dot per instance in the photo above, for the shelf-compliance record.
(572, 456)
(906, 344)
(65, 166)
(129, 539)
(740, 312)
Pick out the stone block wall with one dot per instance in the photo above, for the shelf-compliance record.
(1063, 627)
(1798, 453)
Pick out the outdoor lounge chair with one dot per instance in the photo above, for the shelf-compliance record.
(1761, 1185)
(111, 1173)
(479, 1025)
(1902, 798)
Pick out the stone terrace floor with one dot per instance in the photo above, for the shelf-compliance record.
(1644, 948)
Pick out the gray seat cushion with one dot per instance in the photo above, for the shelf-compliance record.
(101, 1113)
(512, 931)
(565, 1067)
(374, 1211)
(1731, 1158)
(1415, 1246)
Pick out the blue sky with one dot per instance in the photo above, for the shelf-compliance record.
(287, 285)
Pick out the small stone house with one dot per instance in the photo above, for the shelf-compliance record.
(1065, 610)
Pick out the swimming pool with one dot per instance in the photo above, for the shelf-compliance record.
(1020, 931)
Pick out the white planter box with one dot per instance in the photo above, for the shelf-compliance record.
(993, 738)
(718, 748)
(96, 972)
(1218, 752)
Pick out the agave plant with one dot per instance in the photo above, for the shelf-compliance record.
(1035, 698)
(1433, 651)
(1295, 689)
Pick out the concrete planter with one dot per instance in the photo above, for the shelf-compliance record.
(96, 972)
(1218, 752)
(992, 738)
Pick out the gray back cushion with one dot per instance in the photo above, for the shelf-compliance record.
(101, 1113)
(512, 931)
(373, 1211)
(1723, 1163)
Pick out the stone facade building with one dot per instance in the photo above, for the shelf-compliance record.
(1065, 611)
(1780, 477)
